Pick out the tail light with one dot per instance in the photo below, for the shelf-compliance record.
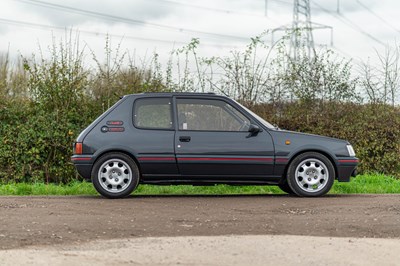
(78, 148)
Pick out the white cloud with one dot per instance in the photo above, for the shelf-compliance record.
(347, 37)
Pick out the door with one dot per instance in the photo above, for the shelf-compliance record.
(154, 136)
(213, 140)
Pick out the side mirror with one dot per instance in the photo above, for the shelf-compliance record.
(253, 130)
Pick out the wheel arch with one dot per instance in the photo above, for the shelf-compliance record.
(296, 154)
(101, 153)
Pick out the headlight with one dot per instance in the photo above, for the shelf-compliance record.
(351, 151)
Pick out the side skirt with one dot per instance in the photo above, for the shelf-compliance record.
(210, 180)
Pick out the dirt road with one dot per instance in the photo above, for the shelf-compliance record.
(27, 222)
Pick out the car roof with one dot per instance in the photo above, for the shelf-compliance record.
(163, 94)
(176, 93)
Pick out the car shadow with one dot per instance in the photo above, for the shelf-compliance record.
(133, 196)
(233, 196)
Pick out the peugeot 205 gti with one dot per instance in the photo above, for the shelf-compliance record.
(203, 139)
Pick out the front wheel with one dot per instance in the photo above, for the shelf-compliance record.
(115, 175)
(311, 174)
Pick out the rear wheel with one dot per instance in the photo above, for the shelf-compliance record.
(311, 174)
(115, 175)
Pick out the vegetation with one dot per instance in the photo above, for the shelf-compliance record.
(366, 184)
(46, 102)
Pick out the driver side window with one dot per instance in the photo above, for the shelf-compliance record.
(210, 115)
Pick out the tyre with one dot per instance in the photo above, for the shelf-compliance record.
(311, 174)
(115, 175)
(285, 188)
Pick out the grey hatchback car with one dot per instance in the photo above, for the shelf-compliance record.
(203, 139)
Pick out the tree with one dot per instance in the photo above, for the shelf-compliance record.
(381, 81)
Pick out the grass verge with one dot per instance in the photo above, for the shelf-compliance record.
(362, 184)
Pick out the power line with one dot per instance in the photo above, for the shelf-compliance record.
(379, 17)
(355, 26)
(127, 20)
(219, 10)
(349, 23)
(225, 11)
(345, 54)
(286, 3)
(283, 2)
(59, 28)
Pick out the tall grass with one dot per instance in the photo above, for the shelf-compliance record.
(371, 184)
(362, 184)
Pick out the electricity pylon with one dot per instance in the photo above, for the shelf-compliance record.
(301, 30)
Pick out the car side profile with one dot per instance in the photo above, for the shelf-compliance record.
(203, 139)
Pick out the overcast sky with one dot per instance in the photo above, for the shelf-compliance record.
(359, 27)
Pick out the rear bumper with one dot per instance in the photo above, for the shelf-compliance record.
(347, 168)
(83, 164)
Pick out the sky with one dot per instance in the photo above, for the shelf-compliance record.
(360, 27)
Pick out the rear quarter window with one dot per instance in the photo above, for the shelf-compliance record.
(153, 113)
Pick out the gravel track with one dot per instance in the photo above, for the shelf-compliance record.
(48, 225)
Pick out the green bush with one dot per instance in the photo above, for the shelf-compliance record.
(45, 103)
(36, 144)
(37, 131)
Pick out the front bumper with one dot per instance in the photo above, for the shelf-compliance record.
(347, 168)
(83, 164)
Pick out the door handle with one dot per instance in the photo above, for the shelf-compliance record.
(184, 138)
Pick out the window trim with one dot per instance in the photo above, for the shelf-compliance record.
(176, 98)
(172, 128)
